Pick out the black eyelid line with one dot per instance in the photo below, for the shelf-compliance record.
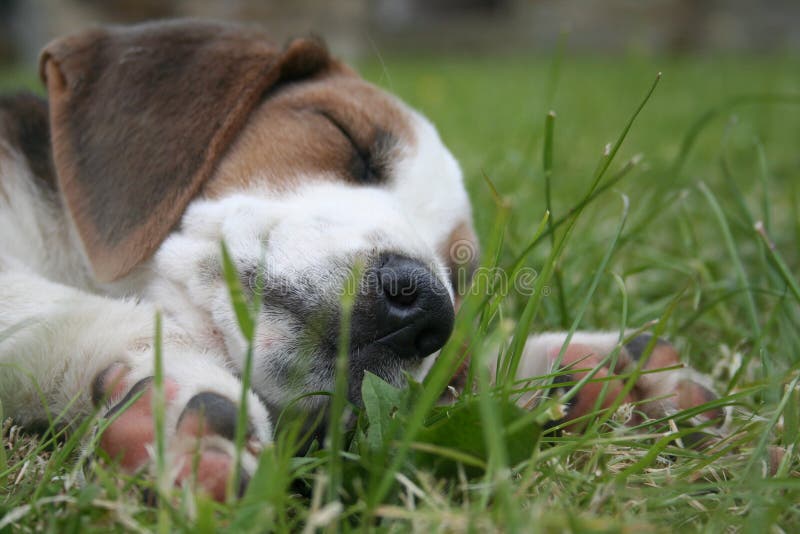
(333, 120)
(365, 155)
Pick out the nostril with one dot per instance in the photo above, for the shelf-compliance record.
(400, 296)
(398, 281)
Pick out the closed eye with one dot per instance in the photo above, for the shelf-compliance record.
(362, 165)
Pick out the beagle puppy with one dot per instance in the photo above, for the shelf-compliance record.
(157, 143)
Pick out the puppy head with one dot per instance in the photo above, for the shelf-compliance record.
(140, 117)
(331, 173)
(301, 167)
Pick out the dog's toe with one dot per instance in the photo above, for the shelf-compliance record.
(109, 383)
(208, 469)
(212, 414)
(208, 413)
(127, 437)
(200, 439)
(597, 394)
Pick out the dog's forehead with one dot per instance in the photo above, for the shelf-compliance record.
(314, 128)
(305, 137)
(348, 93)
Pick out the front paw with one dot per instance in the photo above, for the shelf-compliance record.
(664, 388)
(201, 411)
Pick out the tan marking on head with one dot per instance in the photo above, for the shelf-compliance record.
(315, 128)
(461, 254)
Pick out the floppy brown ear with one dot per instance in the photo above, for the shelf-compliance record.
(141, 115)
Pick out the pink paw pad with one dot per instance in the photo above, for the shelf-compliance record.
(669, 389)
(200, 448)
(598, 394)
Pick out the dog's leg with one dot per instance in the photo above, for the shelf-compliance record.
(665, 386)
(72, 354)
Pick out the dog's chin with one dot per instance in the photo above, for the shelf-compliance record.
(381, 362)
(309, 412)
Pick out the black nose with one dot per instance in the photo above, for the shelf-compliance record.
(407, 309)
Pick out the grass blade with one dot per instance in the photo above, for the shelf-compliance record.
(339, 399)
(775, 256)
(547, 167)
(691, 136)
(159, 408)
(240, 305)
(741, 274)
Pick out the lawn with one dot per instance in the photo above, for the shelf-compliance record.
(690, 229)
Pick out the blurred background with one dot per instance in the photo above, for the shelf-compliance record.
(355, 27)
(726, 113)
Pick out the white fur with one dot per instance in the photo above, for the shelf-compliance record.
(312, 234)
(58, 329)
(35, 234)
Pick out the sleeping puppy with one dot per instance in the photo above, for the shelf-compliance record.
(160, 141)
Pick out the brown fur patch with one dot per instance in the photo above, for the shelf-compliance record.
(461, 256)
(140, 117)
(335, 127)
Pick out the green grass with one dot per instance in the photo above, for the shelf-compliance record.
(718, 144)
